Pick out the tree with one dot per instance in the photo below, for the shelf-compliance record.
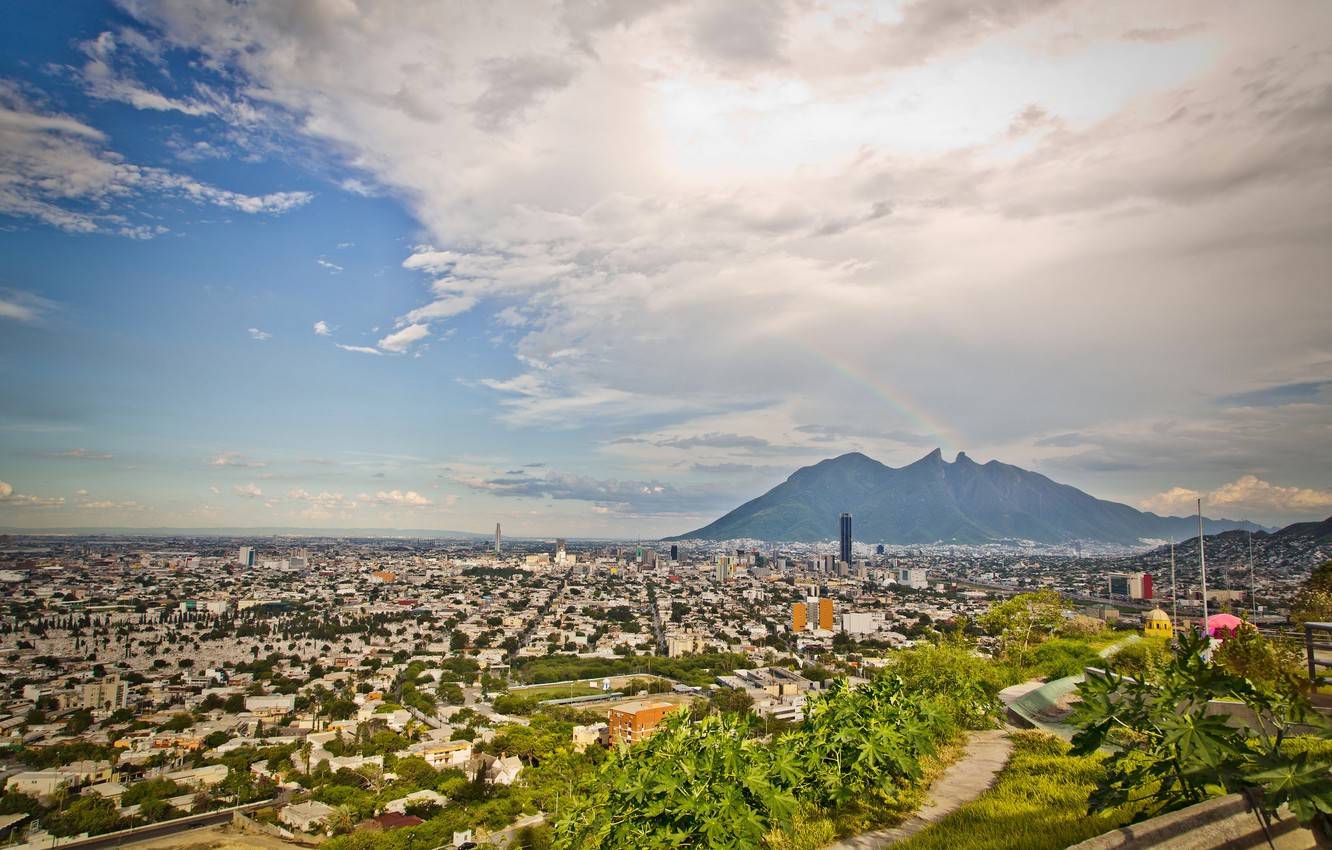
(1023, 618)
(1180, 755)
(1313, 602)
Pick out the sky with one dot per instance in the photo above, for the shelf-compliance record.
(610, 268)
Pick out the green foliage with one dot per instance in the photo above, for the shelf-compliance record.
(1313, 602)
(1063, 657)
(56, 755)
(14, 803)
(856, 742)
(708, 785)
(1023, 620)
(965, 684)
(150, 789)
(1278, 664)
(1140, 660)
(92, 814)
(177, 723)
(1178, 754)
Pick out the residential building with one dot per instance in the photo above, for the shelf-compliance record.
(634, 721)
(798, 621)
(826, 614)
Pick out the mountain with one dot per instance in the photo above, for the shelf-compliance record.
(933, 500)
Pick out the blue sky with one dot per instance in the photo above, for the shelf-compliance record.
(599, 269)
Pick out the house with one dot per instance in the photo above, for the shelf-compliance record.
(425, 796)
(496, 771)
(441, 754)
(306, 817)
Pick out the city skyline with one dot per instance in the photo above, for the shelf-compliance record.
(609, 271)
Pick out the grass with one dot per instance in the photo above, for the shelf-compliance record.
(813, 828)
(541, 692)
(1038, 802)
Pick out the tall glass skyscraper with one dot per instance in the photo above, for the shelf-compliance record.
(844, 523)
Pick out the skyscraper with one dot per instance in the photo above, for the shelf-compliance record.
(844, 523)
(497, 538)
(246, 558)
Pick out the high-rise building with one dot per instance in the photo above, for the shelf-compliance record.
(825, 614)
(246, 557)
(497, 538)
(675, 552)
(844, 529)
(1132, 585)
(798, 621)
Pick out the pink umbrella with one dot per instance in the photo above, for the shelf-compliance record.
(1224, 625)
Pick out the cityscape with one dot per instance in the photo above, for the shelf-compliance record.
(608, 425)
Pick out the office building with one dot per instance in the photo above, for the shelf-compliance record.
(1131, 585)
(844, 529)
(246, 557)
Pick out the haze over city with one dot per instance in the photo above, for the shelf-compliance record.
(610, 269)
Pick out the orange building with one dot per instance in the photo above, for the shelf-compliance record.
(634, 721)
(825, 615)
(798, 617)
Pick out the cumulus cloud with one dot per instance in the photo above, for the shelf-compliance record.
(897, 223)
(410, 499)
(401, 341)
(60, 173)
(255, 333)
(247, 491)
(322, 328)
(1248, 494)
(11, 499)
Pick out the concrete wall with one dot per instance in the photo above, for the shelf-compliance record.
(1226, 823)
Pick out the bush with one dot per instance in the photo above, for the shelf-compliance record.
(1063, 657)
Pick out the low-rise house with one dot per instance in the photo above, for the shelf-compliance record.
(424, 796)
(42, 783)
(306, 817)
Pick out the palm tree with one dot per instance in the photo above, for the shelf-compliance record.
(341, 821)
(306, 749)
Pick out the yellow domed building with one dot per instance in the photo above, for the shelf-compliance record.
(1157, 624)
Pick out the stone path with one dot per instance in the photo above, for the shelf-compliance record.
(965, 779)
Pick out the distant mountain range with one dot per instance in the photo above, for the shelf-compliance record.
(265, 531)
(933, 501)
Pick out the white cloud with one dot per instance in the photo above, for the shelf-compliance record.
(23, 306)
(59, 172)
(1248, 495)
(399, 342)
(248, 491)
(396, 497)
(10, 499)
(934, 223)
(359, 349)
(334, 267)
(236, 460)
(255, 333)
(322, 328)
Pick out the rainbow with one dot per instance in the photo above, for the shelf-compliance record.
(895, 400)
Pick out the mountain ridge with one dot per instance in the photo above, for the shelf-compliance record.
(933, 501)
